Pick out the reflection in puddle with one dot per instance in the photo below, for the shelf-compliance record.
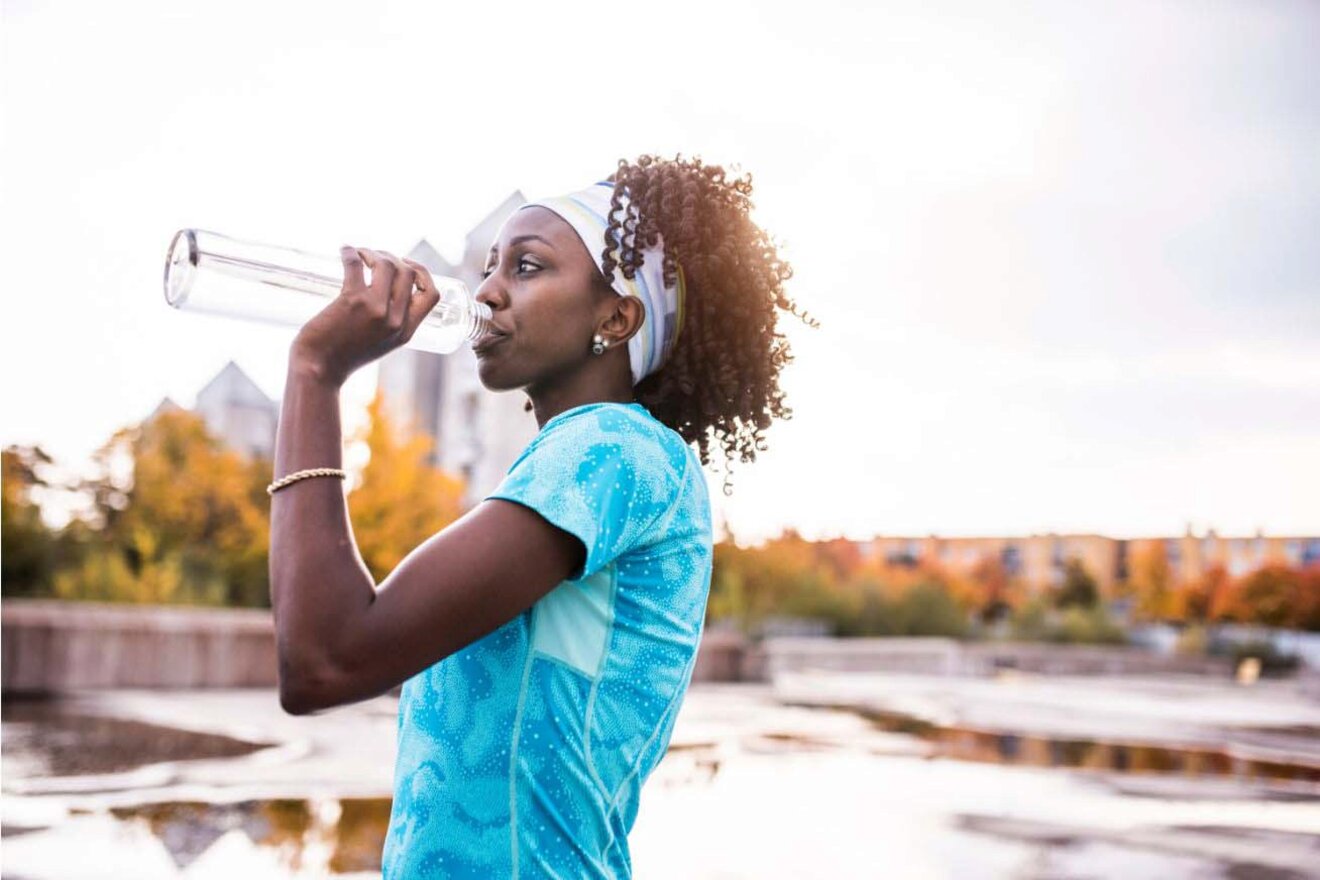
(341, 836)
(1002, 747)
(49, 738)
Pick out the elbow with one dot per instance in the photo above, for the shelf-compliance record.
(295, 699)
(302, 692)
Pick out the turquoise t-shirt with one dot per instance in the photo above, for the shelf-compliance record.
(524, 754)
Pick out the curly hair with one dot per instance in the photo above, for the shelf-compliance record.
(720, 385)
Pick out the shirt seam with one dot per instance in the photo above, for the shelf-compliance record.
(637, 762)
(595, 686)
(665, 514)
(513, 760)
(559, 661)
(668, 515)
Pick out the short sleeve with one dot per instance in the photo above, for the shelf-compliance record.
(604, 475)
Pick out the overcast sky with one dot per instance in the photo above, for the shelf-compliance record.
(1066, 261)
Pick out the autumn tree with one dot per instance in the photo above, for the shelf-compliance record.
(1271, 595)
(401, 500)
(1152, 581)
(840, 556)
(994, 587)
(1206, 597)
(1308, 616)
(178, 518)
(784, 576)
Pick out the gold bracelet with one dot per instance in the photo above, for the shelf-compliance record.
(302, 475)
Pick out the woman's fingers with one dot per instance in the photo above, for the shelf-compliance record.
(382, 281)
(381, 300)
(352, 267)
(424, 280)
(400, 290)
(420, 303)
(390, 298)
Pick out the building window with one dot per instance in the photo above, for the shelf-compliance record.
(1011, 557)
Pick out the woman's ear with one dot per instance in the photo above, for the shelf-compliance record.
(625, 318)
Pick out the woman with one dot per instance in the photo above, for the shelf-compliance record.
(545, 640)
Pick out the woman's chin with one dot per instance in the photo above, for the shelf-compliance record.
(493, 379)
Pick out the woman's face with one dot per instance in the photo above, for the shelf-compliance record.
(547, 299)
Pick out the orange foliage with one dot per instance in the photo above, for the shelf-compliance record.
(1272, 595)
(1205, 599)
(1152, 581)
(401, 499)
(189, 522)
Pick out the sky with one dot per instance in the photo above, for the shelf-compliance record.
(1064, 258)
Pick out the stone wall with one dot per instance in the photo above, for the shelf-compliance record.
(52, 646)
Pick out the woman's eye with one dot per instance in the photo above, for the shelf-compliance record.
(524, 265)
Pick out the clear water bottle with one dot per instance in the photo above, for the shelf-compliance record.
(213, 273)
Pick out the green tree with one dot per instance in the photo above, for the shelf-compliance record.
(27, 545)
(1079, 589)
(929, 609)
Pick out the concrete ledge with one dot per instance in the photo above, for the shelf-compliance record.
(942, 656)
(51, 646)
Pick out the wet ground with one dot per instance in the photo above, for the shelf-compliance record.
(821, 775)
(50, 738)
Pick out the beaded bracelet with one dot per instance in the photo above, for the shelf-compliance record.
(302, 475)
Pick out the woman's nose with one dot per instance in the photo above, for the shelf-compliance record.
(491, 293)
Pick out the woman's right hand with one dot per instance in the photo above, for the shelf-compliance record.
(365, 322)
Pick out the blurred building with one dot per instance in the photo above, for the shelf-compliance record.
(1190, 556)
(236, 411)
(1040, 561)
(477, 433)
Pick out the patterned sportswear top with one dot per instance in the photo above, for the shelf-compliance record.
(523, 754)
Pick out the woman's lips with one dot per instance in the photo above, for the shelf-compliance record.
(487, 341)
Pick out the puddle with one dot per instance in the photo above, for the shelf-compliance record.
(1005, 747)
(44, 738)
(757, 757)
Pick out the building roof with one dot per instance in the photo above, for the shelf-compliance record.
(232, 385)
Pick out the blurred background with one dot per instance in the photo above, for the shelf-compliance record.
(1028, 587)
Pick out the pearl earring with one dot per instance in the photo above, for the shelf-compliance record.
(598, 345)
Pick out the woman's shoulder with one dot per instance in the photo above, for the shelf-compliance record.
(629, 424)
(626, 433)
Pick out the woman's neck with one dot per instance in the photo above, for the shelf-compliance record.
(550, 402)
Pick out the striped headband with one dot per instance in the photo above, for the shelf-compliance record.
(587, 211)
